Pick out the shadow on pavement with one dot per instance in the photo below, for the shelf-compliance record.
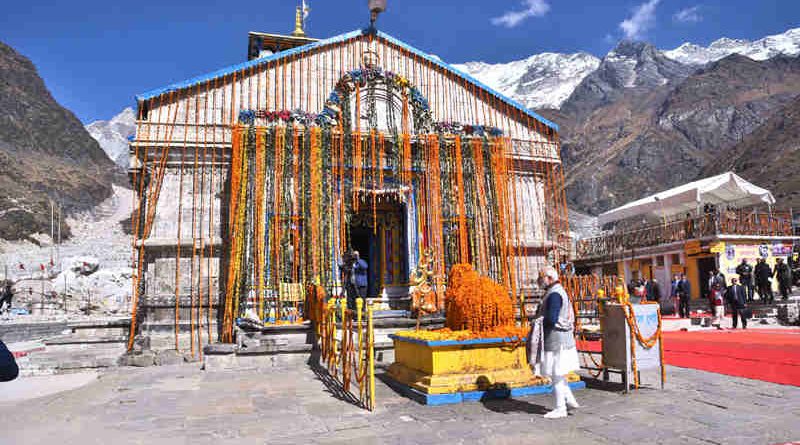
(513, 405)
(332, 386)
(607, 386)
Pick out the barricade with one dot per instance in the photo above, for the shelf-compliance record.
(347, 345)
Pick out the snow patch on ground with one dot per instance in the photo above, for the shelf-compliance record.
(98, 243)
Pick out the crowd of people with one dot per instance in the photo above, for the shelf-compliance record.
(739, 293)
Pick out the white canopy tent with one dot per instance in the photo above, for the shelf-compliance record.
(727, 188)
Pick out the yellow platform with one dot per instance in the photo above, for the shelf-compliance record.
(450, 366)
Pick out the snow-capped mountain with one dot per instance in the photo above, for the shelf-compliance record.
(630, 65)
(541, 81)
(547, 80)
(787, 43)
(113, 135)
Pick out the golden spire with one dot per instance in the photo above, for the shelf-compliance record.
(298, 23)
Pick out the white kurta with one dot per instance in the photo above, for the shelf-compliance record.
(559, 363)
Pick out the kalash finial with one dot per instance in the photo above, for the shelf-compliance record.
(298, 23)
(375, 7)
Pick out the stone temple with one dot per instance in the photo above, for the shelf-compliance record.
(257, 179)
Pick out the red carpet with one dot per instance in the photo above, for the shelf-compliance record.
(771, 355)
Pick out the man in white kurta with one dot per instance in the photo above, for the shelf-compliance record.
(560, 355)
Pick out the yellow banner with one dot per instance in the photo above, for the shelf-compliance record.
(717, 247)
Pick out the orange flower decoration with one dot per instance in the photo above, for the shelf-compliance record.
(476, 303)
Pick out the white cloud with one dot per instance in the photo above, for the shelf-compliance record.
(533, 8)
(643, 18)
(688, 15)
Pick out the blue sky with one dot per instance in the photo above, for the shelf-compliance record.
(96, 55)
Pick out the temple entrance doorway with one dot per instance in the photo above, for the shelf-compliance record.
(378, 233)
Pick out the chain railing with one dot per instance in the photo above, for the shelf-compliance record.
(347, 344)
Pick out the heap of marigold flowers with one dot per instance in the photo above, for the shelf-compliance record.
(507, 332)
(476, 303)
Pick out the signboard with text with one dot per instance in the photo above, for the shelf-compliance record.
(616, 337)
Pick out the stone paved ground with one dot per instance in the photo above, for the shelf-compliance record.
(183, 405)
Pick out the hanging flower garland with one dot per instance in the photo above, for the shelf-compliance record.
(454, 127)
(280, 117)
(360, 77)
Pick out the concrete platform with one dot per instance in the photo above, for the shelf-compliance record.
(473, 396)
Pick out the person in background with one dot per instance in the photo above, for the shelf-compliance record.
(653, 290)
(639, 292)
(745, 272)
(783, 273)
(718, 304)
(8, 366)
(684, 291)
(673, 292)
(632, 285)
(763, 274)
(360, 280)
(719, 278)
(560, 353)
(712, 280)
(738, 301)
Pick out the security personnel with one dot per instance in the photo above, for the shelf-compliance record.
(745, 272)
(684, 290)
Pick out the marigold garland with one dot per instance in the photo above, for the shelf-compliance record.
(476, 303)
(647, 343)
(505, 332)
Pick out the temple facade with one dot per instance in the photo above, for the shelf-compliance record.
(255, 181)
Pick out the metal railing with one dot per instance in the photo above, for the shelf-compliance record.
(728, 222)
(347, 347)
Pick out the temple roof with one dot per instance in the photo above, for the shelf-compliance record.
(330, 41)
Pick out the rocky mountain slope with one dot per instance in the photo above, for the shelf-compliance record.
(770, 155)
(628, 142)
(113, 135)
(629, 67)
(45, 154)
